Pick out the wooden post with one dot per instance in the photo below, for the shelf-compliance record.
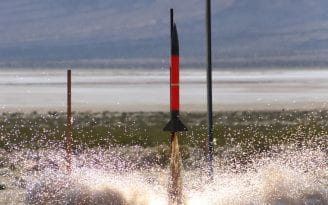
(69, 124)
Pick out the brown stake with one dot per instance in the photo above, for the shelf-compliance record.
(69, 124)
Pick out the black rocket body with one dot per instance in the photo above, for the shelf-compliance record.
(175, 124)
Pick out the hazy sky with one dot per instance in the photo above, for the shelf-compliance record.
(255, 30)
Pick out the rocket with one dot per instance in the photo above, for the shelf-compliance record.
(175, 189)
(175, 124)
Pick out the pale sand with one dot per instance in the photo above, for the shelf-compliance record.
(144, 90)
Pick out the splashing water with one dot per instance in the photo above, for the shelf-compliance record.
(293, 175)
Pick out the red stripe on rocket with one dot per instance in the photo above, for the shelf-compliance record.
(175, 123)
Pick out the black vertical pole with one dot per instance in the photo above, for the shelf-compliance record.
(209, 87)
(171, 24)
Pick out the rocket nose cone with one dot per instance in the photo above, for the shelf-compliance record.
(175, 41)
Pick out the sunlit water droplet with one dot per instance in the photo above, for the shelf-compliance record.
(292, 176)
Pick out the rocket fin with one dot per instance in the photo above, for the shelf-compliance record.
(175, 125)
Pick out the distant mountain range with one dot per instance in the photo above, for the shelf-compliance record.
(246, 33)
